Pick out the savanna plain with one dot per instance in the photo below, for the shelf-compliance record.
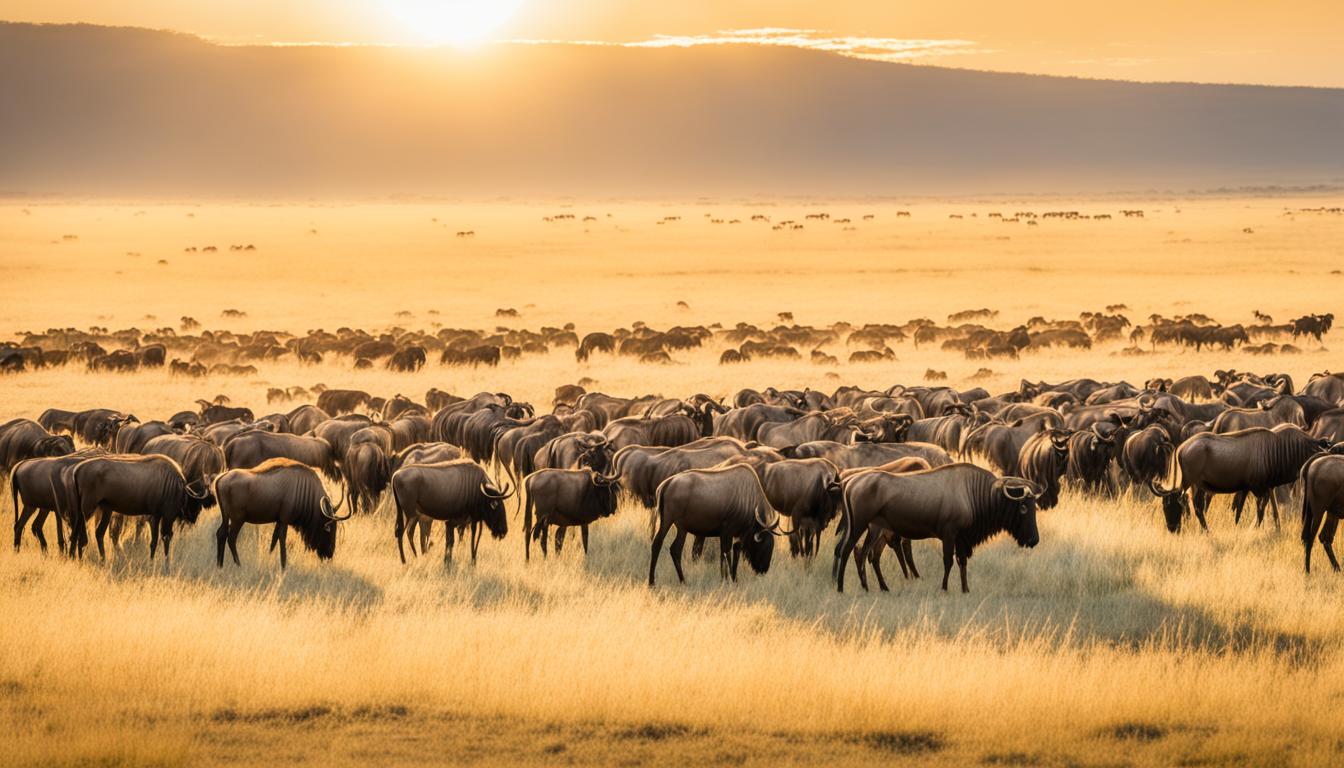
(1113, 642)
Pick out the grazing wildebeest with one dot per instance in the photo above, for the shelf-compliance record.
(131, 438)
(565, 498)
(304, 418)
(366, 466)
(961, 505)
(139, 486)
(35, 481)
(407, 360)
(1254, 461)
(250, 449)
(281, 492)
(1281, 409)
(459, 493)
(725, 502)
(1146, 455)
(1090, 454)
(98, 426)
(644, 468)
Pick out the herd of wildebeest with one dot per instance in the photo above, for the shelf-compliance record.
(884, 467)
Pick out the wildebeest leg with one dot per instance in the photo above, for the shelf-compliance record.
(448, 541)
(697, 547)
(234, 532)
(1274, 507)
(543, 534)
(910, 557)
(947, 561)
(962, 555)
(875, 558)
(725, 552)
(221, 535)
(1328, 539)
(1201, 504)
(475, 539)
(1260, 502)
(678, 544)
(426, 527)
(842, 552)
(39, 523)
(21, 520)
(1238, 503)
(737, 554)
(861, 557)
(101, 531)
(165, 528)
(657, 549)
(583, 536)
(559, 539)
(282, 532)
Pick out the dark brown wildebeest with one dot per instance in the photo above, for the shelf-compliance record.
(305, 418)
(55, 421)
(1322, 502)
(644, 468)
(1281, 409)
(1254, 461)
(879, 538)
(98, 426)
(341, 401)
(422, 453)
(281, 492)
(26, 439)
(1146, 455)
(366, 466)
(961, 505)
(131, 438)
(869, 454)
(251, 449)
(1315, 326)
(135, 486)
(200, 460)
(35, 482)
(212, 413)
(724, 502)
(1043, 460)
(566, 498)
(459, 493)
(407, 360)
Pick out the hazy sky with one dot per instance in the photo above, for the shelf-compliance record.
(1293, 42)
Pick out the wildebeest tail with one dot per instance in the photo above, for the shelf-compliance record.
(400, 527)
(14, 490)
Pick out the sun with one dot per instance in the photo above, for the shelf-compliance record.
(451, 22)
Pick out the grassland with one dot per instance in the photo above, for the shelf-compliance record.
(1111, 643)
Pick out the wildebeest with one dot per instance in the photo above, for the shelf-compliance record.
(26, 439)
(340, 401)
(565, 498)
(869, 454)
(1043, 460)
(251, 449)
(281, 492)
(1254, 461)
(724, 502)
(459, 493)
(961, 505)
(407, 360)
(35, 482)
(1146, 455)
(1322, 502)
(200, 460)
(137, 486)
(133, 436)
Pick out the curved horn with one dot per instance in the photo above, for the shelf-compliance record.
(330, 511)
(197, 494)
(504, 494)
(1021, 491)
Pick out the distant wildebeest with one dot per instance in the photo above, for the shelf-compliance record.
(961, 505)
(341, 401)
(407, 360)
(282, 493)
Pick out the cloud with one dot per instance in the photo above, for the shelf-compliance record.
(881, 48)
(875, 48)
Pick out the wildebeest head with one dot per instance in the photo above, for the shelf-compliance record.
(1021, 496)
(55, 445)
(495, 518)
(597, 454)
(322, 537)
(197, 494)
(1174, 505)
(759, 550)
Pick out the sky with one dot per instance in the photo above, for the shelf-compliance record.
(1292, 42)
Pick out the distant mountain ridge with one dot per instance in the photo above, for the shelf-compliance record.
(100, 110)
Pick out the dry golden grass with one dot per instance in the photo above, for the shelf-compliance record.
(1110, 643)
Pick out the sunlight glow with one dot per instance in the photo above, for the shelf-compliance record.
(451, 22)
